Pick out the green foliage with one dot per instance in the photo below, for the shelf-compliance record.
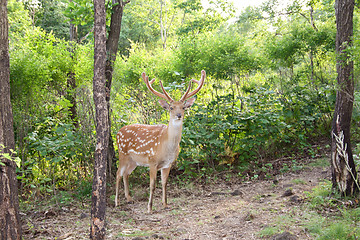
(319, 197)
(196, 20)
(232, 130)
(54, 139)
(83, 64)
(289, 47)
(247, 20)
(83, 189)
(344, 226)
(38, 60)
(80, 11)
(322, 215)
(19, 19)
(9, 156)
(338, 231)
(58, 154)
(222, 55)
(267, 232)
(156, 64)
(50, 17)
(269, 91)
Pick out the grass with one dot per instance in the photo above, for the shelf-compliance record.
(337, 231)
(269, 231)
(320, 162)
(299, 181)
(134, 233)
(323, 216)
(333, 218)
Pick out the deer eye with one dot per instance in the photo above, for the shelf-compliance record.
(171, 108)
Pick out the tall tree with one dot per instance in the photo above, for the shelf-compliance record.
(10, 226)
(342, 162)
(98, 199)
(112, 44)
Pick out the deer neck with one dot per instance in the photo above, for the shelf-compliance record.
(174, 131)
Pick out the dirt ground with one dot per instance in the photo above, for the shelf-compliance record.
(227, 209)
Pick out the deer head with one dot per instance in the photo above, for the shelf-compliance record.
(176, 108)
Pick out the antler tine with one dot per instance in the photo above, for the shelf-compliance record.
(148, 84)
(200, 84)
(166, 94)
(187, 92)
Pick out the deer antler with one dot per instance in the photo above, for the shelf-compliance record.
(148, 84)
(200, 84)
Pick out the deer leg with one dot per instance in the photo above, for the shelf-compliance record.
(153, 173)
(119, 173)
(128, 170)
(164, 177)
(118, 177)
(126, 188)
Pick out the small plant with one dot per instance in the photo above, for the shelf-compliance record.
(254, 177)
(134, 233)
(295, 166)
(320, 162)
(62, 198)
(319, 197)
(285, 168)
(344, 226)
(337, 231)
(314, 223)
(268, 232)
(299, 181)
(9, 156)
(84, 189)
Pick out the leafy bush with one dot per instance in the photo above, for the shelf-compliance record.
(57, 156)
(221, 55)
(263, 125)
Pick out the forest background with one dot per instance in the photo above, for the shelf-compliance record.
(269, 94)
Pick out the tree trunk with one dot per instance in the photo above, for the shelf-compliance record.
(342, 162)
(10, 225)
(112, 44)
(98, 199)
(71, 83)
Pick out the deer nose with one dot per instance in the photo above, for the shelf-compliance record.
(178, 115)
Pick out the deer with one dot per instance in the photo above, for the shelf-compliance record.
(154, 146)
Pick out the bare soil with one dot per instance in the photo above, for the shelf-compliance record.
(226, 209)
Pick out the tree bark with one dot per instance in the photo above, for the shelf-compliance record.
(112, 44)
(98, 207)
(10, 225)
(342, 162)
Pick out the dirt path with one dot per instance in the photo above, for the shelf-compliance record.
(222, 211)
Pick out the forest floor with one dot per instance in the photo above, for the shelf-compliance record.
(227, 208)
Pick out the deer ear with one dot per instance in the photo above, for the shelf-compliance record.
(164, 104)
(189, 102)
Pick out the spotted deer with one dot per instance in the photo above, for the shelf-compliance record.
(154, 146)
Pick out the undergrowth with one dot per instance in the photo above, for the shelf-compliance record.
(325, 215)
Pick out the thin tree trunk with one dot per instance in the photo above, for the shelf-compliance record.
(10, 225)
(112, 44)
(342, 162)
(71, 83)
(312, 22)
(98, 199)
